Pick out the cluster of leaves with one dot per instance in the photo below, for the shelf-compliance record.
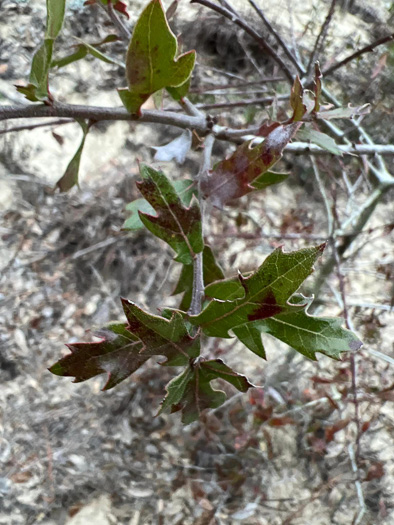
(265, 301)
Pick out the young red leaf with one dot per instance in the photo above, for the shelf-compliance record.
(161, 336)
(117, 354)
(175, 224)
(266, 292)
(151, 61)
(192, 393)
(234, 177)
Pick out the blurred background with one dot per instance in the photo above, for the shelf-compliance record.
(291, 452)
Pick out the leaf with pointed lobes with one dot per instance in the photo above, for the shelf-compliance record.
(305, 333)
(266, 292)
(296, 100)
(151, 60)
(234, 177)
(211, 271)
(191, 391)
(70, 177)
(175, 224)
(117, 354)
(162, 336)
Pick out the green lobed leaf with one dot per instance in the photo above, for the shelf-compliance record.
(266, 292)
(305, 333)
(234, 177)
(175, 224)
(296, 100)
(192, 393)
(162, 336)
(151, 62)
(211, 271)
(321, 139)
(185, 190)
(117, 354)
(70, 177)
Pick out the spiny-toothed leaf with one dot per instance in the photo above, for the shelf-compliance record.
(175, 224)
(317, 86)
(192, 393)
(117, 354)
(320, 139)
(234, 177)
(162, 336)
(349, 112)
(266, 292)
(211, 271)
(296, 100)
(305, 333)
(71, 175)
(151, 61)
(176, 150)
(185, 190)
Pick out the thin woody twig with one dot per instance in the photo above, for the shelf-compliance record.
(362, 51)
(321, 37)
(34, 126)
(243, 103)
(277, 37)
(123, 30)
(234, 17)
